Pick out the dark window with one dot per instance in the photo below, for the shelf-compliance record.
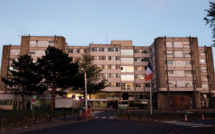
(135, 51)
(85, 50)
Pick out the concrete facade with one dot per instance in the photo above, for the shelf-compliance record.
(183, 73)
(179, 81)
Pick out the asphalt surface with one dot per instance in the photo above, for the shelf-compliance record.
(107, 123)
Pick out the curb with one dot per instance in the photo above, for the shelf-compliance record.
(24, 128)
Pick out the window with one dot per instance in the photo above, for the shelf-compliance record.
(101, 49)
(93, 57)
(140, 67)
(117, 58)
(170, 62)
(187, 71)
(187, 62)
(110, 49)
(117, 67)
(110, 57)
(171, 53)
(127, 77)
(49, 41)
(201, 52)
(127, 60)
(117, 75)
(78, 50)
(147, 84)
(116, 49)
(135, 59)
(202, 61)
(127, 52)
(127, 86)
(31, 52)
(187, 53)
(127, 68)
(102, 57)
(139, 76)
(144, 51)
(111, 75)
(101, 75)
(94, 49)
(109, 67)
(138, 85)
(70, 50)
(112, 84)
(170, 72)
(145, 67)
(135, 51)
(85, 50)
(146, 59)
(117, 84)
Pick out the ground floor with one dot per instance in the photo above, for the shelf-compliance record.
(183, 100)
(161, 100)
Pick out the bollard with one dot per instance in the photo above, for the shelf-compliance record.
(78, 116)
(2, 126)
(50, 117)
(35, 120)
(64, 117)
(20, 121)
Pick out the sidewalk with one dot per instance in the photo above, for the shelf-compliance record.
(70, 119)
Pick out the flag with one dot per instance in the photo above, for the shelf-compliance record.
(149, 74)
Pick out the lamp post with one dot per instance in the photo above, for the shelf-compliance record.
(144, 96)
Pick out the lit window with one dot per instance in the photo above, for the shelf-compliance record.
(127, 86)
(127, 69)
(127, 77)
(138, 85)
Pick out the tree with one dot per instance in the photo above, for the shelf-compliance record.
(210, 18)
(94, 82)
(58, 71)
(25, 78)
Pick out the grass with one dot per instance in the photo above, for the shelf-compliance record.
(14, 116)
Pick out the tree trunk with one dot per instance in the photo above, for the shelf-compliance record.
(22, 107)
(53, 98)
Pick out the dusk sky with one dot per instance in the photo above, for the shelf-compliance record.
(84, 21)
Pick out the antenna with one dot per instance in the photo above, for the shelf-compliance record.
(106, 34)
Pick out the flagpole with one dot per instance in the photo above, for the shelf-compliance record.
(151, 96)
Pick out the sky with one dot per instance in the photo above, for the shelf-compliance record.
(100, 21)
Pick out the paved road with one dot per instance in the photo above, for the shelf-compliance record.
(106, 123)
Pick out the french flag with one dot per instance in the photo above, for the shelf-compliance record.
(149, 74)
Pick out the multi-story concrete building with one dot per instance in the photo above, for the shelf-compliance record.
(123, 66)
(183, 72)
